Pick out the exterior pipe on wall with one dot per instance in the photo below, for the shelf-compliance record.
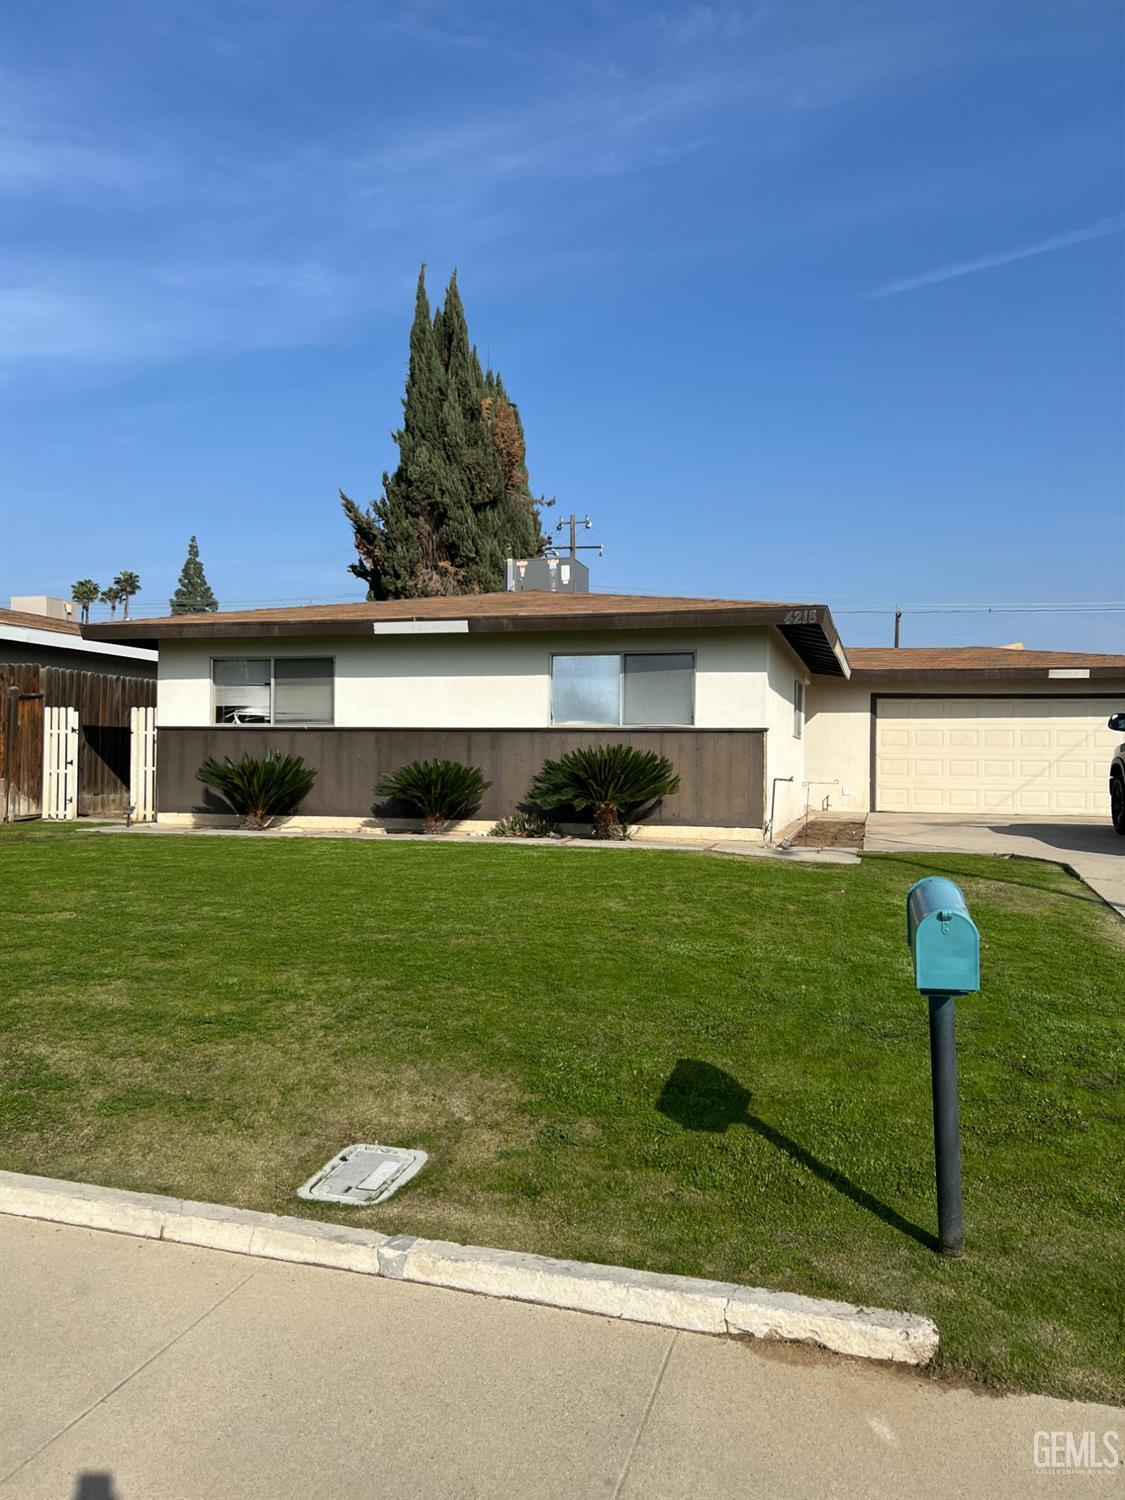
(773, 799)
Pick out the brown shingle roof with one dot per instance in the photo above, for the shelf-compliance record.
(808, 628)
(993, 660)
(534, 603)
(25, 620)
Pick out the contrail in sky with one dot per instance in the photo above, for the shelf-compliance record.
(1113, 225)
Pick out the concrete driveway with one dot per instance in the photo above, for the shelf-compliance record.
(1088, 845)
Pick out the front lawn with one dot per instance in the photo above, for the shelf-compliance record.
(674, 1061)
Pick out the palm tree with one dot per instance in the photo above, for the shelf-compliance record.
(112, 597)
(84, 593)
(127, 584)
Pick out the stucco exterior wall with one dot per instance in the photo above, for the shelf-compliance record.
(478, 681)
(785, 753)
(838, 729)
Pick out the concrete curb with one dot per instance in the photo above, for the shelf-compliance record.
(612, 1291)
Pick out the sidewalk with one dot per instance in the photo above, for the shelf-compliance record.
(135, 1369)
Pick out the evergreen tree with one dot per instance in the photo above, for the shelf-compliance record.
(193, 594)
(458, 503)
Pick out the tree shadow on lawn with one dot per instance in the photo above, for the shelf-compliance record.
(923, 864)
(699, 1096)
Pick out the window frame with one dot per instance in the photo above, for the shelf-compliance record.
(620, 721)
(272, 724)
(798, 708)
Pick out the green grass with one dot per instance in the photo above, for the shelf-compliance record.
(667, 1060)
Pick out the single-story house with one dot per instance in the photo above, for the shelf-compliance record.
(759, 706)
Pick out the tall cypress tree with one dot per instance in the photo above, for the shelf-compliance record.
(193, 594)
(459, 502)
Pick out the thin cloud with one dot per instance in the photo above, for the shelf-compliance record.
(1113, 225)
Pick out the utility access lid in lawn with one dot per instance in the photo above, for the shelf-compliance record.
(362, 1175)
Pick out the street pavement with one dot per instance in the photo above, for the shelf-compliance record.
(139, 1370)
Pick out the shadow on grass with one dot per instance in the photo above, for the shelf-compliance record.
(699, 1096)
(924, 864)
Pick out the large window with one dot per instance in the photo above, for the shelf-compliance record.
(634, 688)
(272, 689)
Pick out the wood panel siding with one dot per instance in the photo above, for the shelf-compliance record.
(721, 770)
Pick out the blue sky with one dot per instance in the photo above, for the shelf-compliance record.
(817, 301)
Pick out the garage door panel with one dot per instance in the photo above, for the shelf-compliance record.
(1005, 770)
(963, 799)
(948, 755)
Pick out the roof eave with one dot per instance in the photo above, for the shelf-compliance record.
(809, 629)
(898, 675)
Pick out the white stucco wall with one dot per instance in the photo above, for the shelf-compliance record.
(785, 753)
(838, 741)
(838, 731)
(486, 681)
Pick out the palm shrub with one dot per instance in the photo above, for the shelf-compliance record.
(440, 789)
(614, 781)
(259, 788)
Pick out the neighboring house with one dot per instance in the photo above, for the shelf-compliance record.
(54, 684)
(758, 705)
(51, 641)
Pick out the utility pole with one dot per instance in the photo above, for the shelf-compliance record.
(573, 522)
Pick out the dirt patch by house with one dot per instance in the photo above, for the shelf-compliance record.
(828, 833)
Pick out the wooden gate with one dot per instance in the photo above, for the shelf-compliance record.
(60, 763)
(21, 754)
(103, 702)
(142, 764)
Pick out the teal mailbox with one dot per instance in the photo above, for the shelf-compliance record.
(943, 938)
(945, 943)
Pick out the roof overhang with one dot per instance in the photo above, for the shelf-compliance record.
(808, 629)
(59, 640)
(937, 676)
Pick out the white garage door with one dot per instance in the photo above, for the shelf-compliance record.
(984, 755)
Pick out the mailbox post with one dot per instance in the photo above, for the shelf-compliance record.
(945, 945)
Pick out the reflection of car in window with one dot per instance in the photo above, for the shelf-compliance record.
(244, 716)
(1117, 778)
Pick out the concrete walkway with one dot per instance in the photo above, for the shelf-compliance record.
(1088, 845)
(134, 1369)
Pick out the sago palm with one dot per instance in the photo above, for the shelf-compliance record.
(441, 790)
(612, 781)
(259, 789)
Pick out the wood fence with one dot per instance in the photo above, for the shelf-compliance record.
(103, 702)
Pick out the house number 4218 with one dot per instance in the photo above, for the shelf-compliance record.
(801, 617)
